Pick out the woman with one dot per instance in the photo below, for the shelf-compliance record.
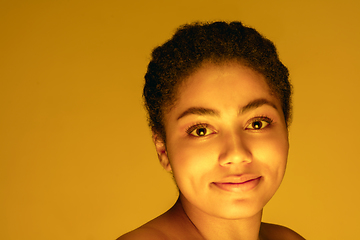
(219, 104)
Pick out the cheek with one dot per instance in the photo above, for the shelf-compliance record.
(273, 155)
(191, 161)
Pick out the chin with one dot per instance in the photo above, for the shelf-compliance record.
(239, 210)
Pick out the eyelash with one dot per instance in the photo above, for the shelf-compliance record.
(197, 126)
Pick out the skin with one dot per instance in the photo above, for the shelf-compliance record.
(227, 147)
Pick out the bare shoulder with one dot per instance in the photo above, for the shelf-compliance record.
(172, 225)
(276, 232)
(157, 229)
(144, 233)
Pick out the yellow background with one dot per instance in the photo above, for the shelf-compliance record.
(77, 161)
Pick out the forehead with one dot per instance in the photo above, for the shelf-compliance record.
(228, 80)
(222, 88)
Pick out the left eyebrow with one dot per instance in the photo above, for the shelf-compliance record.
(199, 111)
(255, 104)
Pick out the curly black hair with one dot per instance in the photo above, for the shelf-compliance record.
(216, 42)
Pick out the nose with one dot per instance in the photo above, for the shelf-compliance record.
(234, 150)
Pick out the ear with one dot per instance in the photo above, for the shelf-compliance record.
(161, 151)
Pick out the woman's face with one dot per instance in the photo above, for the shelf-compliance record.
(226, 142)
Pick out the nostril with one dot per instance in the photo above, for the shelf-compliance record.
(234, 152)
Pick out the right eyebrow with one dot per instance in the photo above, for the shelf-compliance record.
(255, 104)
(198, 111)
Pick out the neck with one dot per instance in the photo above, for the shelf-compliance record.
(213, 228)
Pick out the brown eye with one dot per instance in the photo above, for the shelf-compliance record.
(200, 130)
(258, 123)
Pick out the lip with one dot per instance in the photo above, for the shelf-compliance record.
(238, 184)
